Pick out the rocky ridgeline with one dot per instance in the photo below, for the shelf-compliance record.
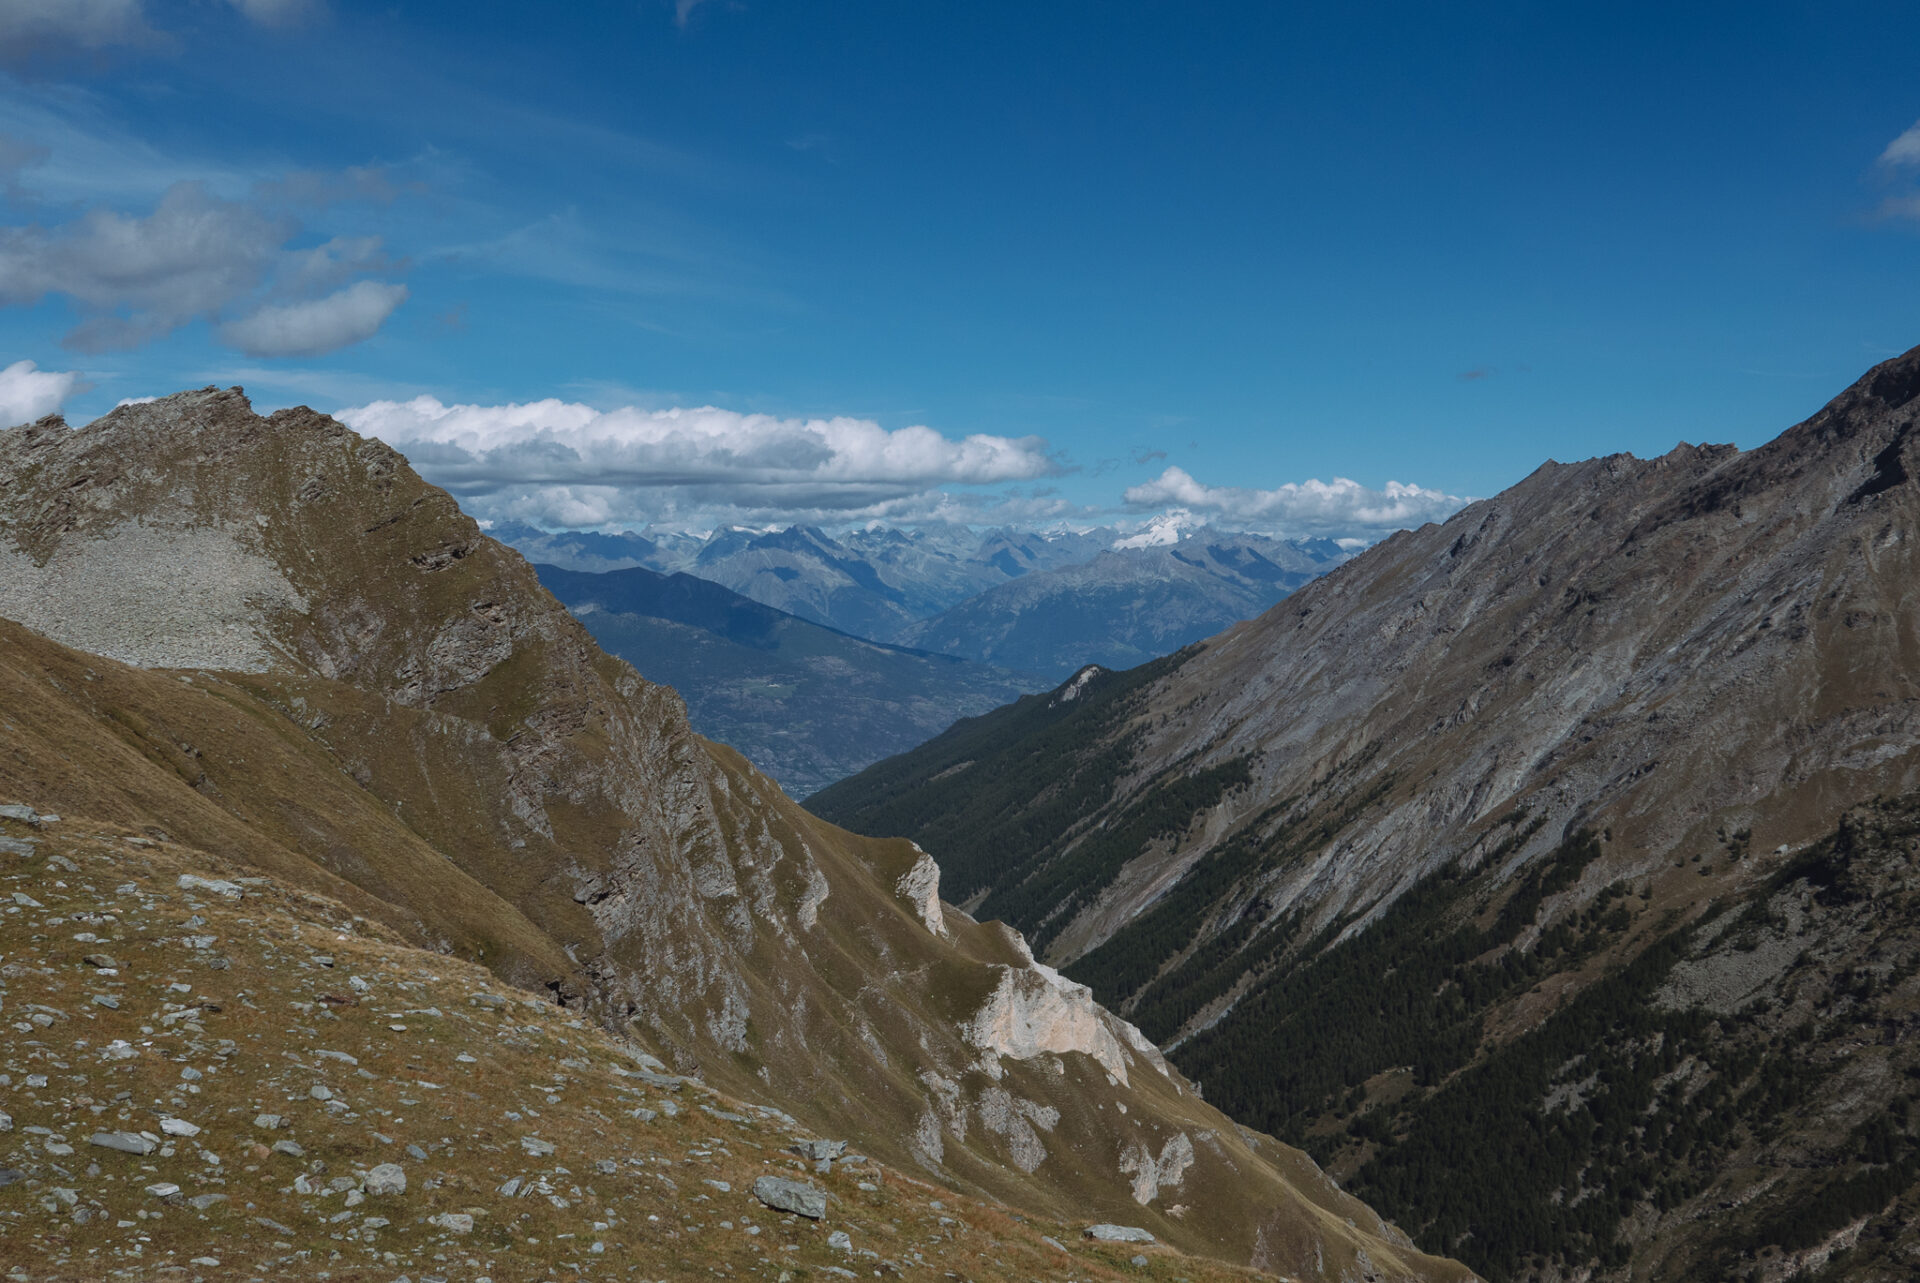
(209, 1075)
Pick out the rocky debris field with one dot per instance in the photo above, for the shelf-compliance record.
(204, 1075)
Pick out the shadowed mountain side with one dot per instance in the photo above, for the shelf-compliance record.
(807, 704)
(381, 702)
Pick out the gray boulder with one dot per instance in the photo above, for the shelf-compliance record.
(387, 1178)
(820, 1151)
(1118, 1234)
(791, 1196)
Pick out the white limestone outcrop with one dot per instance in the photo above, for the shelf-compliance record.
(920, 886)
(1034, 1010)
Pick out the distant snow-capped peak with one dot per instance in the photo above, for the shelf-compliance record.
(1168, 528)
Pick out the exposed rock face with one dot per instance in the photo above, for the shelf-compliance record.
(920, 885)
(1153, 1172)
(1034, 1010)
(435, 741)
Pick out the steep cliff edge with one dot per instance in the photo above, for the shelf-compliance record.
(383, 705)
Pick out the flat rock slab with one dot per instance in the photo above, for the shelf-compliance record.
(212, 886)
(1118, 1234)
(791, 1196)
(125, 1142)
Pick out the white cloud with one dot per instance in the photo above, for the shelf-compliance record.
(570, 464)
(28, 392)
(1904, 150)
(198, 256)
(1339, 507)
(317, 326)
(143, 276)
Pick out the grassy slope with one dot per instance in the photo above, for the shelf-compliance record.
(220, 1034)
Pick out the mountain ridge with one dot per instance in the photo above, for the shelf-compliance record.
(385, 706)
(1459, 783)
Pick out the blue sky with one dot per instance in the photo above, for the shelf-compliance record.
(1082, 243)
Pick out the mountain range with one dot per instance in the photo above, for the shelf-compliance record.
(1549, 872)
(263, 648)
(1044, 602)
(805, 703)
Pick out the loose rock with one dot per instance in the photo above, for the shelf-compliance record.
(124, 1142)
(388, 1178)
(1118, 1234)
(791, 1196)
(213, 886)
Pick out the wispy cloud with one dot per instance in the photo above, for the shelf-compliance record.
(282, 13)
(1339, 507)
(1899, 162)
(1904, 150)
(31, 30)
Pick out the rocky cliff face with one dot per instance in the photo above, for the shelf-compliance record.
(378, 702)
(1436, 797)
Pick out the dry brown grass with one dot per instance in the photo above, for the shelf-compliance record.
(253, 1032)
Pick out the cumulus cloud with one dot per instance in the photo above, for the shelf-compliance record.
(318, 326)
(570, 464)
(27, 391)
(197, 256)
(1339, 507)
